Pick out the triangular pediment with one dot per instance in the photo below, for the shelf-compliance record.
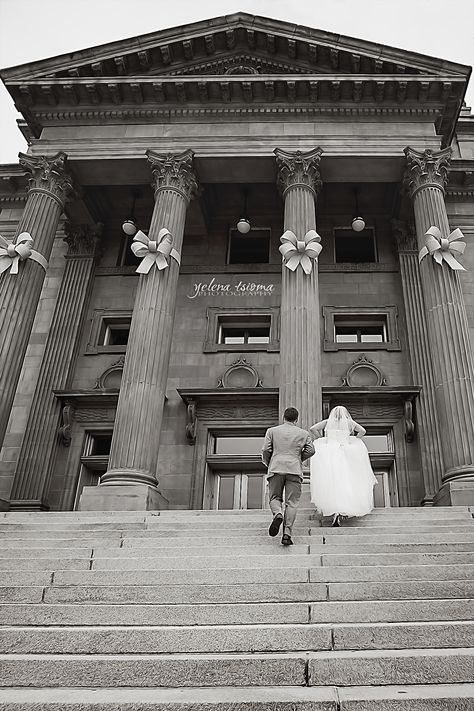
(206, 47)
(237, 59)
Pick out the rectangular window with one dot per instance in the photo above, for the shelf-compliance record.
(238, 445)
(126, 257)
(242, 330)
(251, 248)
(110, 330)
(361, 328)
(371, 329)
(353, 246)
(114, 332)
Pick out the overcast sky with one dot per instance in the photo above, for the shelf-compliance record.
(36, 29)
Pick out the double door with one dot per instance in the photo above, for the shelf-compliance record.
(239, 490)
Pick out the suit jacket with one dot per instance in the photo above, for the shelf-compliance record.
(285, 448)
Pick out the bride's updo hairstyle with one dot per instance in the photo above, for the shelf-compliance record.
(339, 419)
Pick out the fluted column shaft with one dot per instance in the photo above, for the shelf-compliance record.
(421, 365)
(448, 331)
(37, 454)
(136, 437)
(20, 293)
(300, 342)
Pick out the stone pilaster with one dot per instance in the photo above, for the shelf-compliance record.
(136, 437)
(300, 342)
(37, 454)
(428, 430)
(49, 185)
(448, 333)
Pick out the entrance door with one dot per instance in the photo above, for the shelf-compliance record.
(239, 490)
(382, 489)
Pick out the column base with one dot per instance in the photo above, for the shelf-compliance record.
(455, 493)
(132, 497)
(4, 505)
(29, 505)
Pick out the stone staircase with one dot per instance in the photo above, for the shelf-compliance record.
(187, 610)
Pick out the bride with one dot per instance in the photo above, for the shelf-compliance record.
(342, 479)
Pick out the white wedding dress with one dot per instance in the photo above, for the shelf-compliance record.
(342, 480)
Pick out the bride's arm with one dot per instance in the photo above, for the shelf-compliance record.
(317, 430)
(358, 430)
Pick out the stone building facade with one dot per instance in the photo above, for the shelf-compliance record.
(142, 390)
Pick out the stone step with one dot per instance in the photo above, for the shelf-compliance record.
(289, 570)
(347, 668)
(233, 638)
(437, 697)
(278, 591)
(237, 613)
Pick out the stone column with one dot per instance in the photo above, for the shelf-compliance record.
(130, 482)
(448, 332)
(428, 431)
(38, 450)
(300, 341)
(20, 293)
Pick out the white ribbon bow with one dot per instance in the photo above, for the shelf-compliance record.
(154, 252)
(295, 251)
(16, 251)
(443, 247)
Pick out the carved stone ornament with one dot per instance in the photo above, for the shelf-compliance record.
(82, 240)
(244, 68)
(426, 169)
(299, 168)
(173, 172)
(48, 175)
(241, 374)
(404, 235)
(111, 377)
(64, 432)
(191, 424)
(363, 373)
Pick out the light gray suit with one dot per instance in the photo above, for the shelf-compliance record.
(285, 448)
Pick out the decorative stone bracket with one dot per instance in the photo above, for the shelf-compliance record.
(65, 429)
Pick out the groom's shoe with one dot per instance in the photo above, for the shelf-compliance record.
(286, 540)
(275, 525)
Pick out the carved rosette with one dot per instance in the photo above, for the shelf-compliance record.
(173, 172)
(426, 169)
(405, 237)
(299, 169)
(48, 175)
(82, 240)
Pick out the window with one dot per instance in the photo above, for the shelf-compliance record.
(252, 248)
(126, 257)
(353, 246)
(372, 329)
(242, 330)
(238, 445)
(94, 460)
(114, 332)
(360, 328)
(109, 331)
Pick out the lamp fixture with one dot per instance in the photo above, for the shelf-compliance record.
(358, 222)
(129, 224)
(243, 225)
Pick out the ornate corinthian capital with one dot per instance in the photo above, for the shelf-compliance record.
(48, 175)
(426, 169)
(82, 240)
(173, 172)
(299, 169)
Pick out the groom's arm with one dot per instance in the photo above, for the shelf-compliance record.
(308, 449)
(267, 449)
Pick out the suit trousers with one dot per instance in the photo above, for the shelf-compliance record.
(291, 485)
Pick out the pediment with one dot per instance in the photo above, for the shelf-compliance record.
(207, 47)
(237, 59)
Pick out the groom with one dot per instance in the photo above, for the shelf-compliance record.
(285, 448)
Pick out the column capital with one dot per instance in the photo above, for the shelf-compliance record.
(426, 169)
(298, 168)
(48, 175)
(173, 171)
(82, 239)
(405, 236)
